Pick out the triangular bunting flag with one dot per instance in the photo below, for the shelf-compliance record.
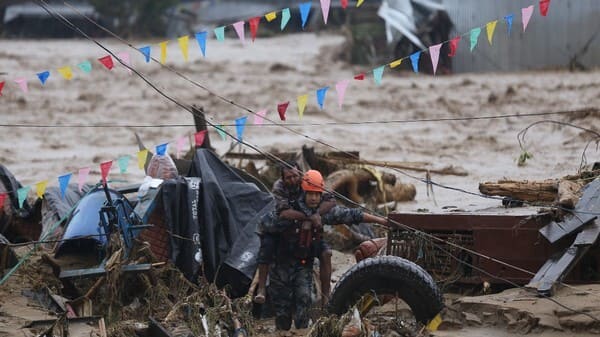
(239, 29)
(146, 52)
(474, 37)
(82, 177)
(163, 52)
(490, 27)
(201, 38)
(434, 323)
(304, 12)
(271, 16)
(414, 60)
(526, 15)
(281, 109)
(107, 62)
(360, 77)
(1, 87)
(254, 22)
(123, 163)
(221, 131)
(199, 138)
(22, 195)
(454, 46)
(321, 96)
(325, 4)
(85, 66)
(544, 6)
(22, 83)
(63, 183)
(184, 43)
(40, 188)
(43, 76)
(124, 57)
(240, 124)
(161, 149)
(220, 33)
(378, 74)
(105, 169)
(395, 63)
(66, 72)
(142, 155)
(340, 88)
(180, 145)
(359, 2)
(302, 100)
(434, 53)
(344, 3)
(509, 22)
(285, 17)
(258, 118)
(3, 197)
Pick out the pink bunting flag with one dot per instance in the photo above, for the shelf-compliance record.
(239, 29)
(360, 77)
(107, 62)
(259, 117)
(180, 145)
(254, 22)
(199, 138)
(453, 46)
(282, 108)
(344, 3)
(544, 5)
(22, 82)
(434, 53)
(325, 4)
(1, 87)
(340, 88)
(105, 169)
(82, 177)
(526, 14)
(3, 197)
(126, 59)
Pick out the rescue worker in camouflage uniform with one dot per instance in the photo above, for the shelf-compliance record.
(286, 192)
(291, 275)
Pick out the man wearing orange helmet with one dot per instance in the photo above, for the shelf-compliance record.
(291, 275)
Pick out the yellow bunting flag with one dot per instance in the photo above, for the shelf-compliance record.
(396, 63)
(360, 2)
(490, 27)
(66, 72)
(434, 323)
(271, 16)
(184, 42)
(302, 105)
(163, 52)
(40, 188)
(141, 156)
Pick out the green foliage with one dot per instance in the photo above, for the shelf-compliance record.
(139, 18)
(523, 158)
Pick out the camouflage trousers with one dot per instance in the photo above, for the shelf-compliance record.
(290, 292)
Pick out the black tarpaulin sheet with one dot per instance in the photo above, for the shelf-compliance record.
(225, 213)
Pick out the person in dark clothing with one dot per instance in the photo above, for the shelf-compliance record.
(291, 281)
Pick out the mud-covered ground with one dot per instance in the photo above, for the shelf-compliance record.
(406, 119)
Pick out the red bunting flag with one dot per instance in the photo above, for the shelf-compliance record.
(104, 169)
(254, 27)
(360, 77)
(3, 197)
(454, 46)
(199, 138)
(1, 87)
(107, 62)
(344, 3)
(282, 108)
(544, 5)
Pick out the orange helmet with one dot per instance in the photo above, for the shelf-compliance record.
(313, 181)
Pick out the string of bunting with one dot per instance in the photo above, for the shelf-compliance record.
(67, 72)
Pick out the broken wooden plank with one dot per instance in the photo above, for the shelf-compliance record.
(91, 272)
(589, 235)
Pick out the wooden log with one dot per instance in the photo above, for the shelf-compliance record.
(532, 191)
(410, 166)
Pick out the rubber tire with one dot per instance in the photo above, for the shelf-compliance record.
(391, 275)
